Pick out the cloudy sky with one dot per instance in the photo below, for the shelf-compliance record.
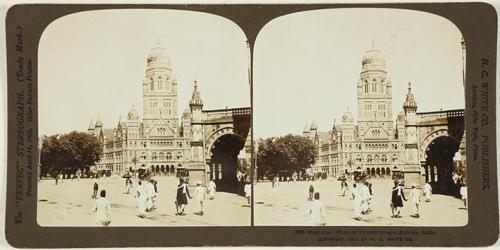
(93, 63)
(307, 65)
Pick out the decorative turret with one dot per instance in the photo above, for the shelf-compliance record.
(196, 98)
(91, 127)
(314, 126)
(347, 117)
(133, 115)
(410, 103)
(306, 130)
(98, 123)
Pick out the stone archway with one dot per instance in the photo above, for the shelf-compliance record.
(438, 164)
(223, 162)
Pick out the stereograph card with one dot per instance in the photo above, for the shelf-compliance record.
(183, 125)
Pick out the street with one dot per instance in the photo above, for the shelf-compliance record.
(286, 204)
(70, 204)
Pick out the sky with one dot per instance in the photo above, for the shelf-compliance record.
(307, 64)
(92, 64)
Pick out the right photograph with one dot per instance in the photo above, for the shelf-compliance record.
(358, 120)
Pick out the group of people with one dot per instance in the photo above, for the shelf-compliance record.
(146, 195)
(361, 196)
(182, 196)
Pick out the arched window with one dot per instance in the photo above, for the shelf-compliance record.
(160, 83)
(151, 84)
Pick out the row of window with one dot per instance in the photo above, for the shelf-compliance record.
(160, 83)
(369, 158)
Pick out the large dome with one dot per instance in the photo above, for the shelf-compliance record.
(158, 55)
(373, 57)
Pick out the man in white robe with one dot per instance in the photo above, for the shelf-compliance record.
(427, 192)
(414, 198)
(141, 199)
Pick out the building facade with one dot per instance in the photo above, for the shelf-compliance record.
(374, 143)
(379, 144)
(161, 141)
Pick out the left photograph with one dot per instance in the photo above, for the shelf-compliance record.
(143, 120)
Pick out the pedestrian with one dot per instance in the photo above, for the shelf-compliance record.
(397, 198)
(311, 191)
(248, 192)
(414, 198)
(128, 185)
(95, 189)
(141, 200)
(182, 197)
(151, 195)
(357, 200)
(463, 194)
(343, 187)
(365, 194)
(103, 210)
(427, 191)
(317, 211)
(212, 188)
(57, 179)
(199, 196)
(272, 182)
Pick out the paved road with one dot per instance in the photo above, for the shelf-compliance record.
(70, 204)
(287, 204)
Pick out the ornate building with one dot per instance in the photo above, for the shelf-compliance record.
(377, 144)
(161, 141)
(372, 144)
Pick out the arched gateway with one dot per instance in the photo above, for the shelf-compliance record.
(441, 136)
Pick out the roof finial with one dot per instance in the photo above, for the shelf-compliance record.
(373, 42)
(409, 86)
(157, 40)
(195, 83)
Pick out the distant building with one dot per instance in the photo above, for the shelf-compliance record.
(378, 144)
(160, 141)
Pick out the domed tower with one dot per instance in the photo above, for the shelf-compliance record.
(159, 89)
(374, 90)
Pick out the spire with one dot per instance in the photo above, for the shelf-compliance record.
(373, 43)
(410, 103)
(306, 128)
(91, 125)
(98, 123)
(314, 126)
(196, 98)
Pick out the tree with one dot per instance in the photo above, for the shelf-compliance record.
(285, 155)
(69, 152)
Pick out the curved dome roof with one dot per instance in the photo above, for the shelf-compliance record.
(347, 117)
(373, 56)
(133, 115)
(158, 55)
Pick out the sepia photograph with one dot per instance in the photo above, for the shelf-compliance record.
(359, 120)
(144, 120)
